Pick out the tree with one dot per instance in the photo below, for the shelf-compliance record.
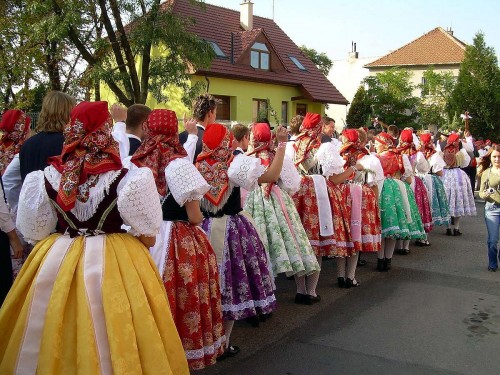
(321, 60)
(360, 109)
(436, 93)
(478, 89)
(390, 96)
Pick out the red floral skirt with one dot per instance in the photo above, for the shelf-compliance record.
(192, 283)
(340, 243)
(371, 227)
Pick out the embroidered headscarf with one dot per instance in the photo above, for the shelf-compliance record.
(262, 146)
(213, 161)
(160, 146)
(352, 150)
(88, 149)
(309, 137)
(406, 145)
(15, 126)
(390, 159)
(451, 148)
(426, 145)
(386, 139)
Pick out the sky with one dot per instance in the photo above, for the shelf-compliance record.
(377, 27)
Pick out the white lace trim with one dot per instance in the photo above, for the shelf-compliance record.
(83, 211)
(185, 182)
(250, 304)
(206, 350)
(290, 178)
(330, 160)
(322, 242)
(367, 238)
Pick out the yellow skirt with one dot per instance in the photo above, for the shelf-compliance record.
(89, 305)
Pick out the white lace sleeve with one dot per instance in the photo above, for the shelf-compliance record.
(374, 171)
(139, 202)
(330, 160)
(245, 171)
(290, 150)
(36, 216)
(185, 182)
(437, 163)
(190, 146)
(422, 165)
(407, 166)
(12, 182)
(289, 178)
(120, 135)
(466, 158)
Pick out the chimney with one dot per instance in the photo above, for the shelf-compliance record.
(353, 55)
(449, 30)
(246, 15)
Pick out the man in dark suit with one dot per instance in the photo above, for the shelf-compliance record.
(205, 112)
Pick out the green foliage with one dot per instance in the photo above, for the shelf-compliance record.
(390, 96)
(360, 109)
(478, 89)
(436, 92)
(321, 60)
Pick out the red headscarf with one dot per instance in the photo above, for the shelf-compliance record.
(15, 125)
(214, 159)
(160, 146)
(450, 150)
(390, 159)
(426, 145)
(309, 137)
(386, 139)
(262, 147)
(89, 149)
(406, 145)
(352, 150)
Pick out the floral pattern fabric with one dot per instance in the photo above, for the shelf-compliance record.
(459, 193)
(438, 200)
(281, 230)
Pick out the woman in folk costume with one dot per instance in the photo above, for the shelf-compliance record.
(419, 166)
(15, 126)
(90, 292)
(322, 203)
(457, 184)
(433, 182)
(365, 214)
(246, 283)
(274, 212)
(182, 252)
(398, 210)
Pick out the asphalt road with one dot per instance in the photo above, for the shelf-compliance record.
(436, 312)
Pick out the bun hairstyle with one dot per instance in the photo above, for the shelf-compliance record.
(202, 105)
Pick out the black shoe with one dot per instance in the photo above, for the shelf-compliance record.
(290, 278)
(231, 351)
(362, 262)
(302, 299)
(350, 283)
(420, 243)
(405, 251)
(457, 232)
(264, 317)
(253, 320)
(387, 264)
(380, 265)
(449, 232)
(314, 299)
(492, 269)
(341, 282)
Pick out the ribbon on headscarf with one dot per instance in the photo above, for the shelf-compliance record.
(352, 150)
(214, 159)
(160, 146)
(309, 137)
(15, 125)
(426, 145)
(450, 150)
(262, 147)
(88, 149)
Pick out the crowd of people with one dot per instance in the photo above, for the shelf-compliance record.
(140, 247)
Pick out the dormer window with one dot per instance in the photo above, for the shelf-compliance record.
(259, 56)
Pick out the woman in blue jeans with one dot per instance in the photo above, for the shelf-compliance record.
(490, 192)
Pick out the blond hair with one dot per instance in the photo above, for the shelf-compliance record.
(55, 113)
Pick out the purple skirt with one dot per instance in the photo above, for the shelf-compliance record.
(246, 282)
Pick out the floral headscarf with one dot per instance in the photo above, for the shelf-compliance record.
(213, 162)
(426, 145)
(89, 149)
(309, 137)
(352, 150)
(15, 125)
(406, 145)
(160, 146)
(262, 146)
(450, 150)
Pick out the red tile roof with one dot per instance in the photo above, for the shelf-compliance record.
(437, 47)
(216, 24)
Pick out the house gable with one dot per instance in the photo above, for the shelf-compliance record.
(437, 47)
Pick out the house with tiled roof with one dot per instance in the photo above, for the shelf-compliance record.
(438, 49)
(256, 65)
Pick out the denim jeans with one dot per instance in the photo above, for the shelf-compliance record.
(492, 218)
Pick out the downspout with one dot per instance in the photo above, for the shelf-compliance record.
(208, 82)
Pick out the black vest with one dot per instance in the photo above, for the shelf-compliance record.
(134, 145)
(37, 149)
